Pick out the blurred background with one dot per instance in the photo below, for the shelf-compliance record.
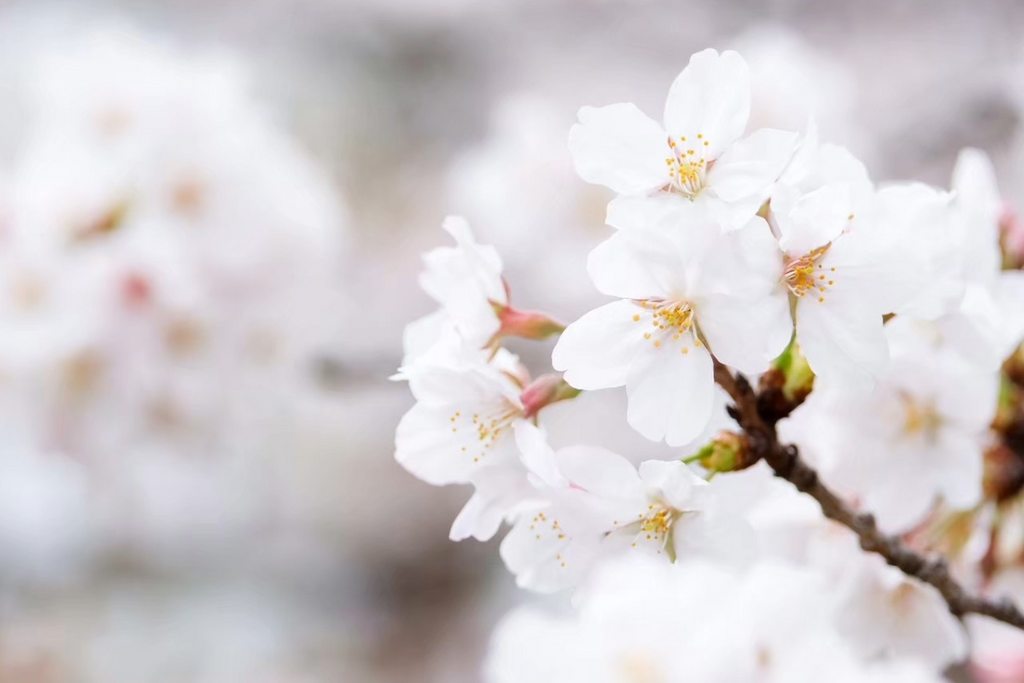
(211, 218)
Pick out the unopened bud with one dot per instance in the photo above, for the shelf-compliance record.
(791, 379)
(1011, 239)
(525, 324)
(544, 391)
(727, 452)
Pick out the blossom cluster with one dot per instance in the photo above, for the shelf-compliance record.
(160, 236)
(888, 315)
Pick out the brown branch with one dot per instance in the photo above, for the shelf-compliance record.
(757, 415)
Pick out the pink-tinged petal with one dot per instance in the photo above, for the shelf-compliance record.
(599, 472)
(751, 165)
(843, 344)
(620, 147)
(710, 98)
(595, 351)
(671, 393)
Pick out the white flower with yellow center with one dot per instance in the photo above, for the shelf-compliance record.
(698, 154)
(462, 421)
(684, 286)
(915, 439)
(846, 270)
(598, 505)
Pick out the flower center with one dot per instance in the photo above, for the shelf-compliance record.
(687, 165)
(920, 419)
(808, 275)
(652, 528)
(477, 432)
(670, 321)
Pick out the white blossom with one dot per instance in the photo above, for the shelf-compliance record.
(917, 437)
(698, 154)
(683, 284)
(594, 504)
(692, 621)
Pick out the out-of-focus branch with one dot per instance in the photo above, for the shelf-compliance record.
(757, 414)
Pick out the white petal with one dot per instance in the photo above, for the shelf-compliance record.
(428, 446)
(733, 215)
(671, 481)
(711, 98)
(843, 345)
(543, 558)
(1009, 299)
(636, 265)
(958, 467)
(899, 503)
(446, 386)
(751, 165)
(974, 182)
(747, 264)
(478, 519)
(671, 394)
(746, 334)
(620, 147)
(537, 455)
(595, 351)
(600, 472)
(814, 219)
(630, 212)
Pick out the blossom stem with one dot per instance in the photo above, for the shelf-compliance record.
(758, 416)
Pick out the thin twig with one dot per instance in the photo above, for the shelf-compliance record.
(759, 425)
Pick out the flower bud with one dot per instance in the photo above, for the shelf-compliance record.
(544, 391)
(525, 324)
(786, 384)
(1011, 238)
(727, 452)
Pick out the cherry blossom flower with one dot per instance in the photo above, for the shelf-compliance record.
(597, 505)
(462, 420)
(698, 154)
(691, 621)
(846, 270)
(918, 436)
(675, 305)
(989, 323)
(466, 281)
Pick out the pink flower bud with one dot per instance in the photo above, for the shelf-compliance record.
(544, 391)
(525, 324)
